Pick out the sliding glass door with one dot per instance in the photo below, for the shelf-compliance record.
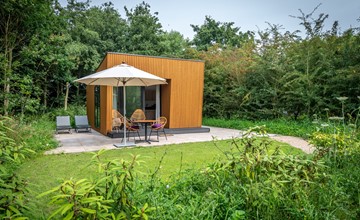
(145, 98)
(133, 99)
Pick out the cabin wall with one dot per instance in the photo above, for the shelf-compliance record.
(181, 98)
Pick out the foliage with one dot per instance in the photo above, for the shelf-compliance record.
(143, 34)
(222, 34)
(12, 188)
(22, 20)
(254, 183)
(173, 44)
(336, 137)
(280, 74)
(303, 128)
(107, 197)
(44, 172)
(249, 182)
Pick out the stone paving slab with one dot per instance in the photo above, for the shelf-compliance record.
(94, 141)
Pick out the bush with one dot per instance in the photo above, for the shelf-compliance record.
(107, 197)
(12, 188)
(255, 184)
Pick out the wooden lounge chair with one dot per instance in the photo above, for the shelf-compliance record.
(81, 122)
(159, 126)
(63, 124)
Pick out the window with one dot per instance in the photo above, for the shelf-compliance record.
(146, 98)
(133, 98)
(97, 106)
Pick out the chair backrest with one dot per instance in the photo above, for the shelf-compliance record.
(138, 114)
(162, 121)
(116, 122)
(81, 120)
(62, 120)
(116, 114)
(117, 118)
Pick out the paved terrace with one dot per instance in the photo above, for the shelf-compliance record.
(94, 141)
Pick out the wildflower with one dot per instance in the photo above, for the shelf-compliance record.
(336, 118)
(342, 98)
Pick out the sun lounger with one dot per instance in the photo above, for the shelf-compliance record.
(63, 124)
(81, 122)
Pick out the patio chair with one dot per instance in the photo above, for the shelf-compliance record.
(117, 120)
(63, 124)
(138, 114)
(131, 128)
(81, 122)
(159, 126)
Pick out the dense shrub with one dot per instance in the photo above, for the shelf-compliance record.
(109, 196)
(12, 188)
(255, 184)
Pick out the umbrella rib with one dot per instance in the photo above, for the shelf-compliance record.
(93, 81)
(143, 81)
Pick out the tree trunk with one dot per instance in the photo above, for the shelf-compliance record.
(66, 95)
(8, 64)
(7, 74)
(45, 93)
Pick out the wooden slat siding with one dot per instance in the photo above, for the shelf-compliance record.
(166, 101)
(186, 93)
(181, 99)
(90, 106)
(90, 102)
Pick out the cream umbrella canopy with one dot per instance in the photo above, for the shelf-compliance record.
(122, 75)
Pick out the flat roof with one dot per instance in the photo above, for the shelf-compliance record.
(157, 57)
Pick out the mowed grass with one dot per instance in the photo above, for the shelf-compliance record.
(48, 171)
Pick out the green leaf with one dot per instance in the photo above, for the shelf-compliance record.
(90, 211)
(66, 208)
(69, 216)
(12, 208)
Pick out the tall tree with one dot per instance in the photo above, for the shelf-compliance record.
(20, 22)
(144, 29)
(172, 44)
(221, 33)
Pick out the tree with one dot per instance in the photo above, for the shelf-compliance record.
(214, 32)
(172, 44)
(20, 21)
(144, 30)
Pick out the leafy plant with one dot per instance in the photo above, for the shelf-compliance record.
(12, 188)
(106, 197)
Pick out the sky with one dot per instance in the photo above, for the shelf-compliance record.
(251, 15)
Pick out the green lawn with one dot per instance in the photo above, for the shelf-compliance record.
(47, 171)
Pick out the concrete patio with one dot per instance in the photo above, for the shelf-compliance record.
(94, 141)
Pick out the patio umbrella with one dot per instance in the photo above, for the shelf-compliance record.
(122, 75)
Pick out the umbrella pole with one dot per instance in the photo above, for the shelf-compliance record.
(125, 144)
(125, 121)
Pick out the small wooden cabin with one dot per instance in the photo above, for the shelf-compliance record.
(180, 101)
